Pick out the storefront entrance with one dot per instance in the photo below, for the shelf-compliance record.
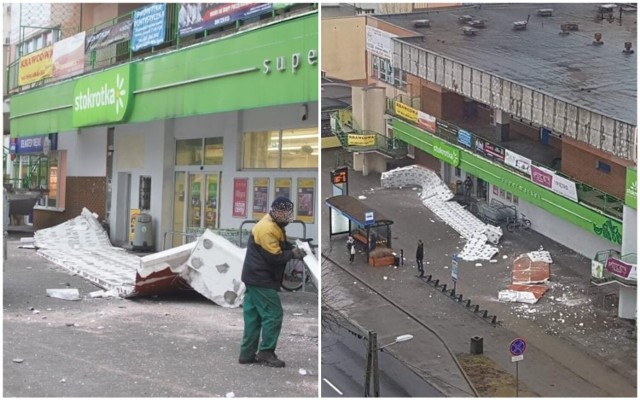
(196, 203)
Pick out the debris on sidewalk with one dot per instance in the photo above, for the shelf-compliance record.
(230, 395)
(529, 274)
(18, 360)
(64, 294)
(435, 195)
(103, 293)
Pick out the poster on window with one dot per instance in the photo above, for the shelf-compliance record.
(283, 188)
(197, 17)
(306, 190)
(240, 197)
(68, 56)
(260, 197)
(149, 25)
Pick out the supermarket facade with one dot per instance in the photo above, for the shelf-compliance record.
(202, 136)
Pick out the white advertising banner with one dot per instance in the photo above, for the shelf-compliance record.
(517, 161)
(379, 42)
(565, 187)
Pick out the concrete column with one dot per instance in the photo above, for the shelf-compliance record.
(627, 302)
(501, 119)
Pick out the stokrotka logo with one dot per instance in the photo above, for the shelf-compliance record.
(104, 96)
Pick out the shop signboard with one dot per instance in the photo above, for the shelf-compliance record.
(586, 218)
(446, 153)
(494, 151)
(517, 161)
(306, 191)
(406, 112)
(446, 130)
(103, 97)
(622, 269)
(149, 25)
(548, 178)
(379, 42)
(34, 144)
(631, 193)
(110, 35)
(240, 197)
(480, 145)
(35, 66)
(68, 56)
(427, 121)
(542, 176)
(465, 138)
(260, 197)
(198, 17)
(355, 139)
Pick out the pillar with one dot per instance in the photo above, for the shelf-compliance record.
(501, 119)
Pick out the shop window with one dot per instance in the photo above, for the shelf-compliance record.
(189, 152)
(458, 172)
(213, 151)
(603, 167)
(291, 148)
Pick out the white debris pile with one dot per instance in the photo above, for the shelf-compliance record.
(82, 246)
(540, 255)
(435, 195)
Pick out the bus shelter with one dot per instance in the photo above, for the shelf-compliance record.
(366, 225)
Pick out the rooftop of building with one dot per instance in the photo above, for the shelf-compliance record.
(599, 77)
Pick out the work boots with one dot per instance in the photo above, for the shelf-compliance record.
(269, 358)
(248, 360)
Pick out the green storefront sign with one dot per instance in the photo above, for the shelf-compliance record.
(582, 216)
(270, 66)
(446, 153)
(631, 192)
(102, 98)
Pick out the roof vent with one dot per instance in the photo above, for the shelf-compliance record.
(627, 48)
(598, 39)
(545, 12)
(476, 23)
(519, 25)
(465, 18)
(469, 31)
(567, 27)
(421, 23)
(607, 8)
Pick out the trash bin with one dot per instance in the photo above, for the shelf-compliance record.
(477, 343)
(143, 233)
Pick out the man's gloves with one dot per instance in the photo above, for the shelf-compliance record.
(298, 253)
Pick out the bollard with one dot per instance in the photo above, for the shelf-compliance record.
(476, 308)
(436, 282)
(477, 344)
(453, 292)
(459, 298)
(429, 278)
(485, 313)
(493, 320)
(468, 303)
(402, 257)
(444, 288)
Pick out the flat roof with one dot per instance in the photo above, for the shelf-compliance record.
(355, 210)
(599, 77)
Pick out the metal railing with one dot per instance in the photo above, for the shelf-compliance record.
(587, 194)
(121, 52)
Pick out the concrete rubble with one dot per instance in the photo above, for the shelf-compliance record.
(435, 195)
(212, 266)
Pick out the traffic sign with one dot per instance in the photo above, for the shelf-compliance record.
(369, 218)
(517, 347)
(517, 358)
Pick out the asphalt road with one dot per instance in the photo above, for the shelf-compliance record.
(169, 346)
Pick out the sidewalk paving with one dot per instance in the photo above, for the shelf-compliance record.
(164, 346)
(576, 347)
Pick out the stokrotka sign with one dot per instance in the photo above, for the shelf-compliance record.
(102, 98)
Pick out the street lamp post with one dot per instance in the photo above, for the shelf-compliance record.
(372, 362)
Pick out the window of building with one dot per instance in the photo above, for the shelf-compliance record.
(382, 70)
(202, 151)
(290, 148)
(604, 167)
(213, 151)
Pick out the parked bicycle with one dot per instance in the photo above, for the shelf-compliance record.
(514, 223)
(296, 273)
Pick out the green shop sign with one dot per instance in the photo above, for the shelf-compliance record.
(102, 98)
(631, 193)
(582, 216)
(446, 153)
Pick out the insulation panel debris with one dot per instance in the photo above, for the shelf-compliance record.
(435, 195)
(529, 274)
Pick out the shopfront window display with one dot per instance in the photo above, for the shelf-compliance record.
(289, 148)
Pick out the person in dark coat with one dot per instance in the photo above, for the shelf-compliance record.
(420, 257)
(267, 254)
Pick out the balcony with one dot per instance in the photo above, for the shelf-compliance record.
(121, 52)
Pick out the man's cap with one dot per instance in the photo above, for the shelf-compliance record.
(282, 203)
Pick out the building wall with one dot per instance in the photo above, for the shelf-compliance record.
(427, 160)
(343, 48)
(81, 192)
(581, 165)
(629, 230)
(88, 150)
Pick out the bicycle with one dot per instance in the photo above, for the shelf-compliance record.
(515, 223)
(295, 274)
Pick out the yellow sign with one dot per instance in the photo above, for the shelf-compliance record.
(361, 140)
(133, 213)
(35, 66)
(406, 112)
(306, 200)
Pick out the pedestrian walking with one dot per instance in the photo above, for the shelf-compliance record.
(420, 257)
(352, 253)
(468, 187)
(267, 254)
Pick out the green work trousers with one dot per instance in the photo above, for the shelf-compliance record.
(262, 311)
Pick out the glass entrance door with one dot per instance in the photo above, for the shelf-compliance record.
(196, 199)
